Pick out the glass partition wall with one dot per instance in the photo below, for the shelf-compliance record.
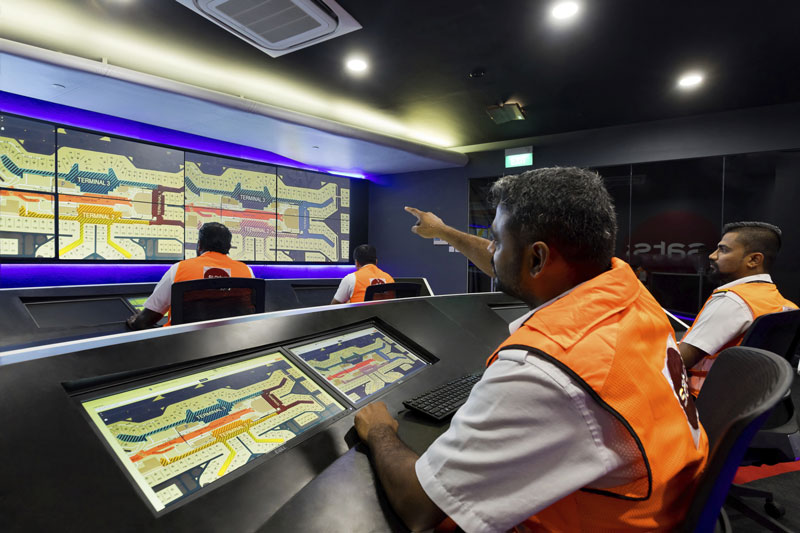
(670, 215)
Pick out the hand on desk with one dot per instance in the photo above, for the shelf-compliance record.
(394, 462)
(372, 416)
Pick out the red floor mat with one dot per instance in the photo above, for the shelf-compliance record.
(746, 474)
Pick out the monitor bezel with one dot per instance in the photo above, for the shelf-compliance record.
(101, 386)
(418, 351)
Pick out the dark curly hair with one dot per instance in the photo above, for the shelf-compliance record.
(214, 237)
(567, 207)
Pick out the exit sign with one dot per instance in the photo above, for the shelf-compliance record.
(519, 157)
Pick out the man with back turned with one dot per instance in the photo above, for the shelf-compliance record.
(212, 261)
(559, 434)
(353, 286)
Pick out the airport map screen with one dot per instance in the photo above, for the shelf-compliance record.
(360, 363)
(137, 302)
(118, 199)
(178, 436)
(75, 195)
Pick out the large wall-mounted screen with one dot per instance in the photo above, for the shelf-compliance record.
(27, 187)
(360, 363)
(178, 436)
(118, 199)
(80, 196)
(241, 195)
(313, 217)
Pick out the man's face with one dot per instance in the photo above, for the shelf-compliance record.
(728, 261)
(506, 256)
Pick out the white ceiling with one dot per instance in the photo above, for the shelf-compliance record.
(95, 86)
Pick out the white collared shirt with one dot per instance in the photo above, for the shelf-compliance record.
(346, 288)
(527, 437)
(724, 317)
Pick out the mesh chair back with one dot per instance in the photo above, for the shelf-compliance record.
(735, 400)
(776, 332)
(390, 291)
(208, 299)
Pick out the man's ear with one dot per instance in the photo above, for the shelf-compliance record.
(537, 255)
(755, 260)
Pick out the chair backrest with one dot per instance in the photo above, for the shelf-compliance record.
(207, 299)
(776, 332)
(735, 400)
(390, 291)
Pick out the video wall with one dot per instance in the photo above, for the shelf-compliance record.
(74, 195)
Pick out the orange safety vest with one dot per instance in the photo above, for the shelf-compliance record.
(761, 298)
(611, 336)
(367, 275)
(210, 265)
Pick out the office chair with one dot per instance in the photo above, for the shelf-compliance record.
(779, 439)
(390, 291)
(207, 299)
(731, 415)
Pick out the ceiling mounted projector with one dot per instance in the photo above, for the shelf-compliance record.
(505, 113)
(277, 26)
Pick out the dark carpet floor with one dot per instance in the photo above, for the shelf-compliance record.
(786, 488)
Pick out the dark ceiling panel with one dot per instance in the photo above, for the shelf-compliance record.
(616, 64)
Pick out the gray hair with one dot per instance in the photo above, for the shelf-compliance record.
(566, 207)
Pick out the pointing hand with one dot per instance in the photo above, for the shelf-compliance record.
(428, 225)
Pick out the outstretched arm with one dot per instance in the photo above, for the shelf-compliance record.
(394, 462)
(475, 248)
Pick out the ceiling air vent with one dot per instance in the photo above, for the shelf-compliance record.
(277, 26)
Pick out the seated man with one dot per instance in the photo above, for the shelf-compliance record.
(581, 421)
(212, 261)
(354, 285)
(742, 262)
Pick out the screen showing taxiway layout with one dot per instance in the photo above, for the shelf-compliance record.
(178, 436)
(118, 199)
(80, 196)
(137, 302)
(360, 363)
(313, 217)
(239, 194)
(27, 187)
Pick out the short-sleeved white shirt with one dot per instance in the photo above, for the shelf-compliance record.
(161, 299)
(528, 436)
(346, 288)
(724, 317)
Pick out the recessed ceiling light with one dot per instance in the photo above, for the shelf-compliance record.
(356, 64)
(564, 10)
(690, 80)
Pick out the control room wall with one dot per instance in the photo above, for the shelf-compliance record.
(445, 192)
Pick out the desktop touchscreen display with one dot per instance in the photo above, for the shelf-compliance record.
(360, 363)
(177, 436)
(137, 302)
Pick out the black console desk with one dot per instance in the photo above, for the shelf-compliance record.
(43, 315)
(61, 475)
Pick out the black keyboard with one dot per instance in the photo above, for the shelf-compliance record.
(444, 400)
